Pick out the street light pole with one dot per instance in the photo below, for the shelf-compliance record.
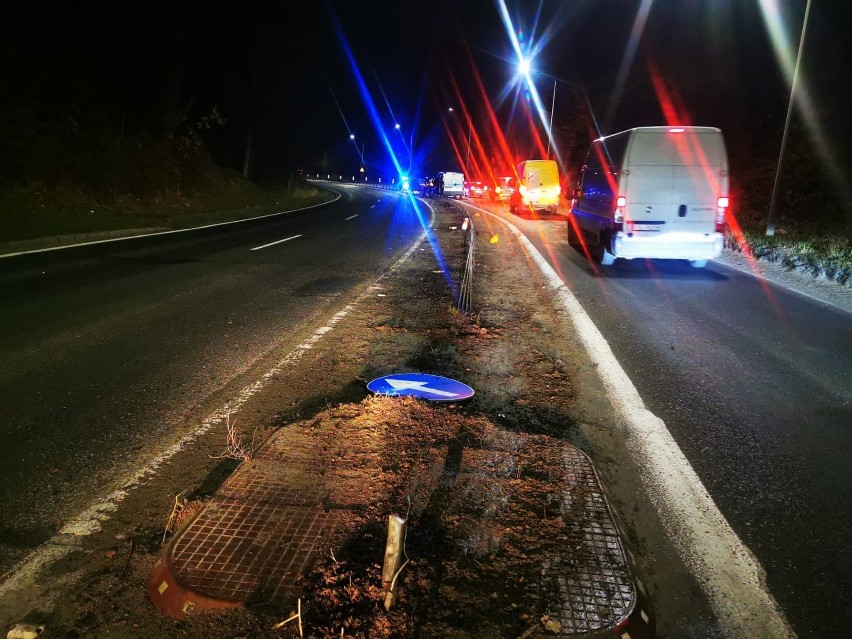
(467, 159)
(770, 219)
(550, 130)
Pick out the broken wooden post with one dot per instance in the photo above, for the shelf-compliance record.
(394, 550)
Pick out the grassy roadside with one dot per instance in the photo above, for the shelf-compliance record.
(823, 257)
(33, 213)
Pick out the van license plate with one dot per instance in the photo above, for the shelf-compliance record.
(645, 227)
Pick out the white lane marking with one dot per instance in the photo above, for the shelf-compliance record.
(71, 536)
(286, 239)
(194, 228)
(346, 219)
(730, 575)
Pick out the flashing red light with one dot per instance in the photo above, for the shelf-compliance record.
(722, 202)
(677, 130)
(621, 202)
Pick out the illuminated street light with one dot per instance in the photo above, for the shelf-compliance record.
(469, 133)
(408, 145)
(525, 69)
(351, 136)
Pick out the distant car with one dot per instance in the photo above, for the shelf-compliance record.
(475, 189)
(504, 188)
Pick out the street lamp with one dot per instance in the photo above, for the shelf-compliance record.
(361, 152)
(469, 133)
(525, 69)
(770, 218)
(408, 146)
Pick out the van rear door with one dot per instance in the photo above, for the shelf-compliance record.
(673, 179)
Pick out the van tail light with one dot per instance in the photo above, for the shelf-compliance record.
(722, 204)
(677, 130)
(620, 203)
(498, 190)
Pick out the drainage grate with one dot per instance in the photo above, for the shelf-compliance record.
(593, 576)
(257, 537)
(236, 550)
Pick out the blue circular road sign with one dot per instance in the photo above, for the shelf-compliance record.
(431, 387)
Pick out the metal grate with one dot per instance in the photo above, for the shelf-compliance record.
(594, 579)
(257, 537)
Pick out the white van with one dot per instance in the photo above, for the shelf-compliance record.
(653, 192)
(453, 184)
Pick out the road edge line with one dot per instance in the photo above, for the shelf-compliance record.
(169, 232)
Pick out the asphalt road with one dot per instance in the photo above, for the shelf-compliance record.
(109, 350)
(754, 382)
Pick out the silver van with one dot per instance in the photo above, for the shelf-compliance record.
(653, 192)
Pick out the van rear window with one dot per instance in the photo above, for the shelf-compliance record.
(682, 149)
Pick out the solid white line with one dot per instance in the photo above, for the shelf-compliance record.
(730, 575)
(351, 217)
(194, 228)
(286, 239)
(70, 537)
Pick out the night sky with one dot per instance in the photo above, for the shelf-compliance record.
(282, 68)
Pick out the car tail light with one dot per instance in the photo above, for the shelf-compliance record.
(620, 203)
(523, 190)
(498, 190)
(722, 204)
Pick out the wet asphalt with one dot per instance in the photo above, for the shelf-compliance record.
(755, 383)
(111, 349)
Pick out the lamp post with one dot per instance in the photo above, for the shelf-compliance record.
(361, 151)
(469, 134)
(525, 69)
(550, 129)
(408, 146)
(770, 218)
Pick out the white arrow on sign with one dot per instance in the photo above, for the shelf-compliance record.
(402, 384)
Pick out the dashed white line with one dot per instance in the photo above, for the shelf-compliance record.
(286, 239)
(346, 219)
(729, 574)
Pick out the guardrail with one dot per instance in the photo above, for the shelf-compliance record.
(355, 180)
(465, 303)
